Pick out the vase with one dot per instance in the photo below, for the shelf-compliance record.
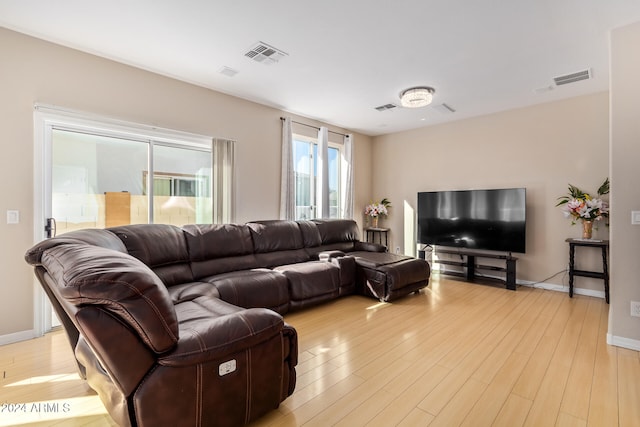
(374, 222)
(587, 229)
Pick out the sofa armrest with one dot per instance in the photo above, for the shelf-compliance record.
(369, 247)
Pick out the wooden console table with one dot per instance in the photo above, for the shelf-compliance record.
(604, 274)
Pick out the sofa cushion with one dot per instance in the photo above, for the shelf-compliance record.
(310, 234)
(254, 288)
(308, 280)
(276, 235)
(211, 329)
(162, 247)
(219, 248)
(211, 241)
(119, 283)
(337, 230)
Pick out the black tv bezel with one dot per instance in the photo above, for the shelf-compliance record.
(520, 247)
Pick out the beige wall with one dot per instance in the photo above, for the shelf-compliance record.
(541, 148)
(34, 71)
(625, 192)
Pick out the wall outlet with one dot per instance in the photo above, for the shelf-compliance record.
(635, 308)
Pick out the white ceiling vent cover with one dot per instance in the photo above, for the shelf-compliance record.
(386, 107)
(572, 78)
(229, 72)
(265, 54)
(444, 108)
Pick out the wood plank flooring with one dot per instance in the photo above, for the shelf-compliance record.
(456, 354)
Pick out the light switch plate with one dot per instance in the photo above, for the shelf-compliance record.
(635, 217)
(13, 217)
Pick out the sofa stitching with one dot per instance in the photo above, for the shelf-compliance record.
(199, 397)
(249, 388)
(125, 313)
(205, 348)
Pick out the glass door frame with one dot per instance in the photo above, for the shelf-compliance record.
(45, 120)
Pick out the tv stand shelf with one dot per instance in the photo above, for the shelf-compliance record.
(471, 267)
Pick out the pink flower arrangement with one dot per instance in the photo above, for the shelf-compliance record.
(377, 209)
(579, 205)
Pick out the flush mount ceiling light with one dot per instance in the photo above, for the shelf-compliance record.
(416, 97)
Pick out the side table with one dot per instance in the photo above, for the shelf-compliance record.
(371, 233)
(604, 274)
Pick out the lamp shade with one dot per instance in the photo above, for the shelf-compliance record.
(416, 97)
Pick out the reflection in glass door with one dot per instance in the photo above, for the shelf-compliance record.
(181, 185)
(103, 181)
(96, 181)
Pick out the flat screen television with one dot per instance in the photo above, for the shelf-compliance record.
(493, 220)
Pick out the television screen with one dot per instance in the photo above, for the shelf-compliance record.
(475, 219)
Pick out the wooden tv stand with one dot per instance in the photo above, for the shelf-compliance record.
(470, 265)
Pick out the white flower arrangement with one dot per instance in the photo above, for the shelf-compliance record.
(377, 209)
(579, 205)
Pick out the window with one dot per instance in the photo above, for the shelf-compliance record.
(305, 153)
(97, 173)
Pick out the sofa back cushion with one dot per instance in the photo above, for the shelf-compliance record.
(310, 233)
(207, 241)
(335, 235)
(219, 248)
(275, 235)
(337, 230)
(277, 242)
(161, 247)
(120, 284)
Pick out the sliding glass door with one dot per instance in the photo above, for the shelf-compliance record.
(98, 174)
(100, 181)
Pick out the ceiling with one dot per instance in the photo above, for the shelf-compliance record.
(346, 57)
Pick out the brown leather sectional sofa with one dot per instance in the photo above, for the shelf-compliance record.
(183, 326)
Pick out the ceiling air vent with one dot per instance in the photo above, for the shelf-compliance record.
(444, 108)
(229, 72)
(386, 107)
(265, 54)
(572, 78)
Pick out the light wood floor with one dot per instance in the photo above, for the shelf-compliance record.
(455, 354)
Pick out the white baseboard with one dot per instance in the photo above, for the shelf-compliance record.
(538, 285)
(562, 288)
(18, 336)
(623, 342)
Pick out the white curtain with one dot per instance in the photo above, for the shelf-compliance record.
(322, 174)
(287, 185)
(223, 180)
(347, 201)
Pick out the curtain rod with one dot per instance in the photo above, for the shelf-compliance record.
(314, 127)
